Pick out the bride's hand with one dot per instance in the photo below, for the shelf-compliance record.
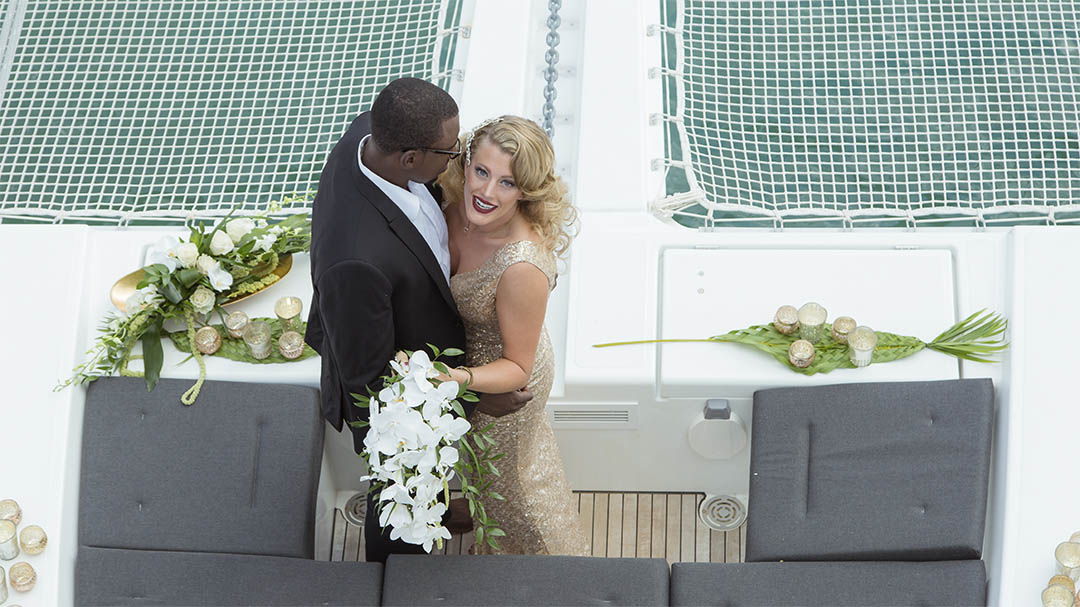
(459, 374)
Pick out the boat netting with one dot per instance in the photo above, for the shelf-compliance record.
(880, 112)
(129, 110)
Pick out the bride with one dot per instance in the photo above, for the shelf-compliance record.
(508, 216)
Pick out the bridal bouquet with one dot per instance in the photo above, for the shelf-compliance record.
(412, 451)
(185, 281)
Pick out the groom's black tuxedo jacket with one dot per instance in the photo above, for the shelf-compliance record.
(377, 286)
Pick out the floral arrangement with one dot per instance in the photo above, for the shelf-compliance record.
(411, 449)
(976, 338)
(185, 282)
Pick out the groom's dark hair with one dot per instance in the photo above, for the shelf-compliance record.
(408, 114)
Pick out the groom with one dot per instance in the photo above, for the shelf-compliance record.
(380, 263)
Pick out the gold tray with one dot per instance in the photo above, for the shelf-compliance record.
(124, 287)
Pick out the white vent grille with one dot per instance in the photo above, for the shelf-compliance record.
(722, 512)
(611, 416)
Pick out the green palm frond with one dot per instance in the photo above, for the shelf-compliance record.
(975, 338)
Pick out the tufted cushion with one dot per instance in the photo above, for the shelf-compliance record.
(235, 472)
(110, 576)
(875, 471)
(829, 584)
(523, 580)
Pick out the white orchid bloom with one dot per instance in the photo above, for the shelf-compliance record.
(437, 401)
(220, 279)
(451, 428)
(448, 456)
(264, 242)
(395, 515)
(425, 487)
(238, 228)
(221, 244)
(420, 370)
(141, 299)
(164, 252)
(396, 493)
(398, 429)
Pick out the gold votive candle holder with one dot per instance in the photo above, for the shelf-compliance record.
(1072, 538)
(1067, 555)
(235, 323)
(33, 539)
(1057, 596)
(22, 577)
(288, 311)
(3, 587)
(257, 338)
(861, 344)
(207, 340)
(801, 353)
(9, 541)
(9, 510)
(1062, 580)
(842, 326)
(786, 320)
(812, 318)
(291, 344)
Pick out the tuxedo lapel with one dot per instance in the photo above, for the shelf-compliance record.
(407, 233)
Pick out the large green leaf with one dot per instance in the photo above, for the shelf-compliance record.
(152, 354)
(236, 349)
(830, 354)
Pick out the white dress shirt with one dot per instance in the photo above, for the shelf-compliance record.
(419, 207)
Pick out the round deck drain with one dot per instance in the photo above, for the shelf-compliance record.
(722, 512)
(356, 509)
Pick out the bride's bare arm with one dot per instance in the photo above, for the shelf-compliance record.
(520, 303)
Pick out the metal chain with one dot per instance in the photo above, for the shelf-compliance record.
(551, 74)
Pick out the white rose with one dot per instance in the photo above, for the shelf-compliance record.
(202, 300)
(238, 228)
(221, 243)
(220, 279)
(187, 253)
(206, 264)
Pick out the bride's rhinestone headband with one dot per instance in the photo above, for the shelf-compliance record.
(472, 133)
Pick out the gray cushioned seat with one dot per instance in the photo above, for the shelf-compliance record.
(832, 584)
(109, 576)
(523, 580)
(236, 472)
(873, 471)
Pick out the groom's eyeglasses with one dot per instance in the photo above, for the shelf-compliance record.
(453, 154)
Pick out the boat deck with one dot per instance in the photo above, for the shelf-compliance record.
(637, 525)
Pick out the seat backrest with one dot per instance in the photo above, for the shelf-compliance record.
(873, 471)
(236, 472)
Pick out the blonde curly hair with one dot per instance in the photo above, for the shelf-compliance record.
(545, 200)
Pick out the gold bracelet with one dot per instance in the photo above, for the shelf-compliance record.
(468, 371)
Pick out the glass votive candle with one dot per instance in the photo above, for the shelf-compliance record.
(786, 320)
(33, 539)
(22, 577)
(842, 326)
(9, 542)
(291, 344)
(812, 322)
(9, 510)
(801, 353)
(3, 587)
(1063, 580)
(207, 340)
(288, 310)
(1057, 596)
(1067, 555)
(257, 338)
(1072, 538)
(861, 344)
(235, 323)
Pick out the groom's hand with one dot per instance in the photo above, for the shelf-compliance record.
(498, 405)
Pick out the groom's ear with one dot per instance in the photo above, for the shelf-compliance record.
(409, 159)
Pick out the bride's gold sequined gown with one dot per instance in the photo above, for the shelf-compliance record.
(539, 514)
